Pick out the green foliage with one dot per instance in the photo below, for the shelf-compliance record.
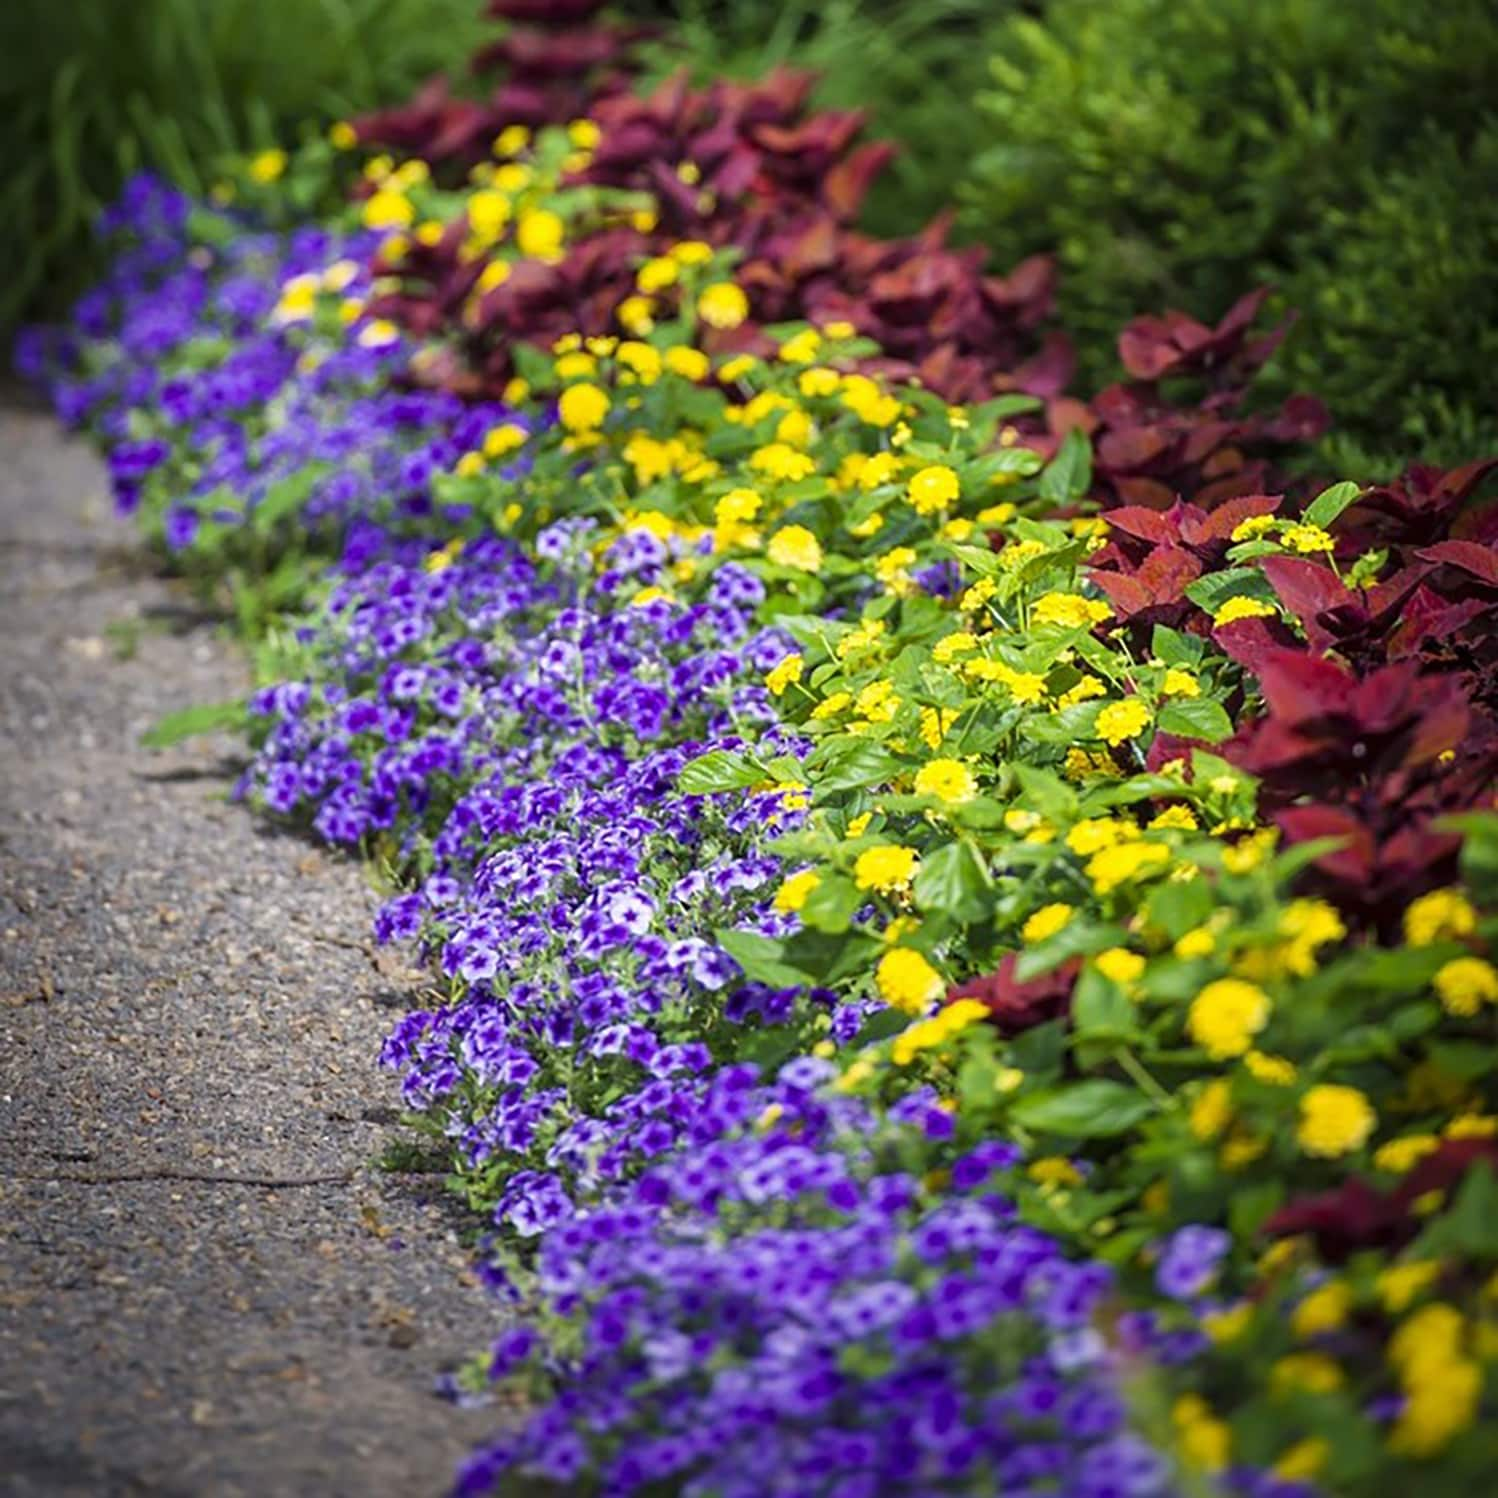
(1176, 152)
(91, 92)
(209, 717)
(914, 68)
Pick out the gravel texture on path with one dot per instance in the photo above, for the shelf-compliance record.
(183, 996)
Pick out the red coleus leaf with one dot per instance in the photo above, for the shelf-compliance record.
(1332, 733)
(1355, 1216)
(544, 54)
(1159, 580)
(1200, 528)
(545, 12)
(1129, 449)
(1017, 1006)
(847, 183)
(1428, 619)
(1028, 292)
(822, 137)
(1310, 590)
(1145, 493)
(1480, 561)
(1342, 1221)
(1047, 373)
(1358, 625)
(1152, 348)
(1417, 509)
(1251, 642)
(1356, 858)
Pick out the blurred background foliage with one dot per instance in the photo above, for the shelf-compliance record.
(91, 90)
(1169, 152)
(1176, 152)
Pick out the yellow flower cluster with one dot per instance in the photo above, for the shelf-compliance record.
(722, 305)
(795, 890)
(886, 868)
(1442, 915)
(1116, 866)
(785, 673)
(1046, 923)
(1225, 1016)
(795, 547)
(1205, 1442)
(1120, 721)
(1465, 984)
(1334, 1120)
(925, 1035)
(1442, 1384)
(907, 982)
(932, 489)
(1069, 610)
(582, 408)
(949, 780)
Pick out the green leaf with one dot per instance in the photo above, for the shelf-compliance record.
(830, 906)
(1470, 1227)
(1252, 1206)
(1065, 727)
(1038, 1051)
(1175, 648)
(826, 957)
(1093, 1109)
(1047, 793)
(718, 770)
(975, 1080)
(845, 765)
(760, 958)
(1196, 718)
(1101, 1009)
(285, 497)
(1479, 855)
(1330, 503)
(1069, 474)
(1003, 406)
(954, 879)
(1466, 1059)
(1177, 908)
(1078, 938)
(1214, 590)
(207, 717)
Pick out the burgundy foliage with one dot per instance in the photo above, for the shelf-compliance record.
(1356, 1216)
(1018, 1006)
(750, 165)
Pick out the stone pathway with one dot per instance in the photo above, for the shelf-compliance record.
(184, 996)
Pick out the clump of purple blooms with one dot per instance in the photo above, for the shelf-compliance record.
(213, 413)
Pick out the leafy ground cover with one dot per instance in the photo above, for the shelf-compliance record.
(963, 911)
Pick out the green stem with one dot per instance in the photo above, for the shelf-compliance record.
(1130, 1064)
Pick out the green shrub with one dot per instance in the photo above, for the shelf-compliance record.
(1175, 152)
(91, 91)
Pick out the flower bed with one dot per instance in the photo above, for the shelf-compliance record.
(962, 914)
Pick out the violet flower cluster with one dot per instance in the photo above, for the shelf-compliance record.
(209, 407)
